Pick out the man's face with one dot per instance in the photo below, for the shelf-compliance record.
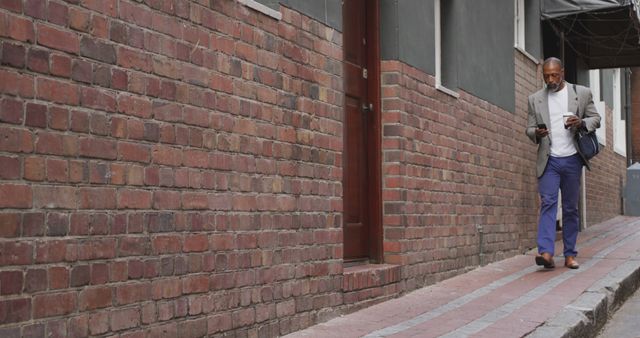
(553, 76)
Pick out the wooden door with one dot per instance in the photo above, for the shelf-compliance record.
(362, 214)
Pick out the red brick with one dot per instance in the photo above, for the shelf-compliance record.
(58, 92)
(20, 29)
(166, 244)
(166, 200)
(11, 111)
(95, 298)
(57, 304)
(195, 284)
(219, 323)
(81, 71)
(166, 288)
(58, 39)
(99, 173)
(57, 224)
(12, 5)
(13, 55)
(99, 273)
(35, 8)
(58, 118)
(100, 27)
(51, 251)
(98, 148)
(15, 310)
(11, 282)
(196, 243)
(78, 171)
(134, 152)
(35, 280)
(79, 326)
(36, 115)
(58, 13)
(54, 197)
(97, 198)
(124, 319)
(58, 278)
(133, 246)
(38, 60)
(134, 199)
(61, 65)
(56, 144)
(102, 76)
(10, 168)
(79, 121)
(103, 248)
(133, 293)
(151, 176)
(57, 170)
(98, 323)
(134, 106)
(98, 99)
(15, 196)
(164, 155)
(79, 19)
(33, 224)
(16, 84)
(132, 59)
(34, 168)
(98, 50)
(195, 201)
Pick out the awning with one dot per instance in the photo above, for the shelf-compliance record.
(604, 33)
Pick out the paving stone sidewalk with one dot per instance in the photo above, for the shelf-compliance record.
(513, 297)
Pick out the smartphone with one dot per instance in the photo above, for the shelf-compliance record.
(542, 126)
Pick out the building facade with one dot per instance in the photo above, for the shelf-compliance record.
(249, 168)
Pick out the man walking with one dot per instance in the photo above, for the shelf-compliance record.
(555, 114)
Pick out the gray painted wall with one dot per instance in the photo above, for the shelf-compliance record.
(328, 12)
(481, 43)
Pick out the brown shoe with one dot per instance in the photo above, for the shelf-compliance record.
(545, 259)
(571, 262)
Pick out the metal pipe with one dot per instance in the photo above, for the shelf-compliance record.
(627, 116)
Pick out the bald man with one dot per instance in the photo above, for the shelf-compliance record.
(555, 114)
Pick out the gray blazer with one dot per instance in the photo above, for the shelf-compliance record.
(580, 103)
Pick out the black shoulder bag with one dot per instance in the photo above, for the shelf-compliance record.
(588, 144)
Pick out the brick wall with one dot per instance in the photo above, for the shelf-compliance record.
(169, 168)
(450, 166)
(606, 180)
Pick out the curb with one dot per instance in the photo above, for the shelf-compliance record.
(586, 316)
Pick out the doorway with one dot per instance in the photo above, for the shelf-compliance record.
(362, 189)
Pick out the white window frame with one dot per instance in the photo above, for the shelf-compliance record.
(619, 130)
(262, 8)
(519, 31)
(594, 85)
(438, 48)
(519, 20)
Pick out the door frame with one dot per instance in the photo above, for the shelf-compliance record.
(375, 145)
(373, 201)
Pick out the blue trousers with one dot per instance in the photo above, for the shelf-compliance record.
(561, 173)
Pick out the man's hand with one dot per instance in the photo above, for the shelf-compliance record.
(574, 122)
(541, 132)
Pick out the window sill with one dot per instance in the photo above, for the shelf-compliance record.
(262, 8)
(529, 56)
(448, 91)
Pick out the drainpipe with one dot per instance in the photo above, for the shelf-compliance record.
(627, 115)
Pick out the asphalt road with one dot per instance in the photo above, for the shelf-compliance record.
(625, 322)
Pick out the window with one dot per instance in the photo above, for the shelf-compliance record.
(446, 72)
(594, 84)
(619, 132)
(519, 24)
(520, 28)
(262, 8)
